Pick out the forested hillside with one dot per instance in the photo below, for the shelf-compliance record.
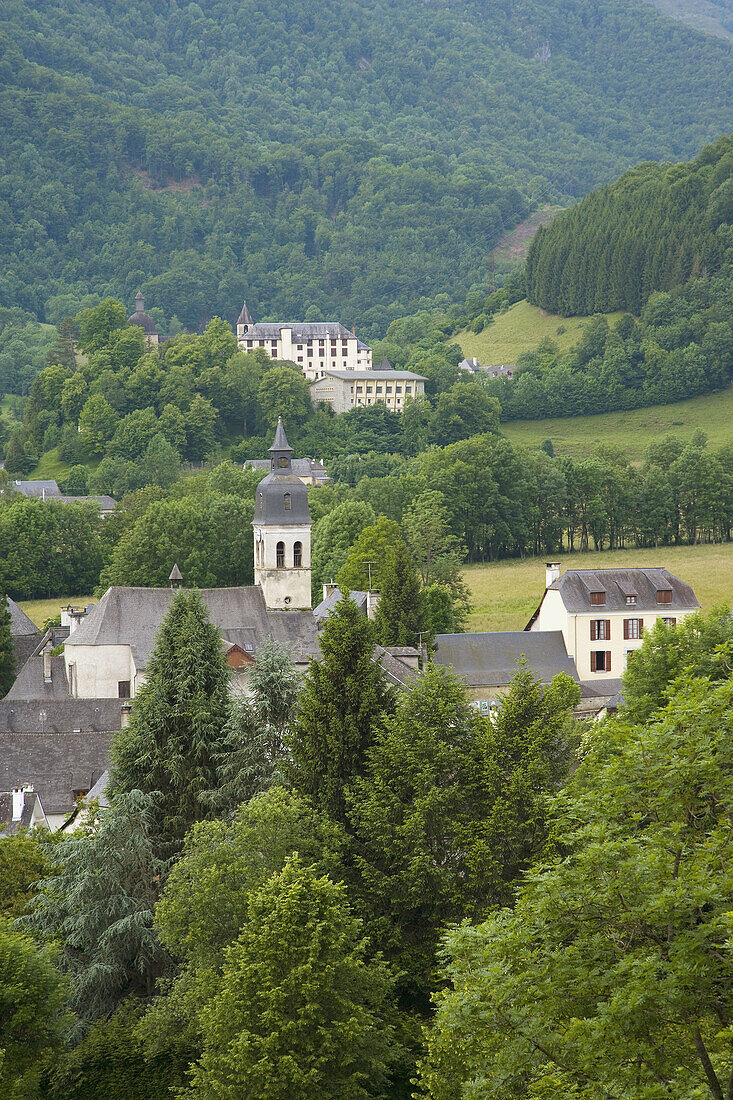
(654, 229)
(349, 158)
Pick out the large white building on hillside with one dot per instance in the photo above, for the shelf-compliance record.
(316, 346)
(344, 390)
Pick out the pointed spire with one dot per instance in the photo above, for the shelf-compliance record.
(245, 317)
(139, 302)
(280, 442)
(176, 577)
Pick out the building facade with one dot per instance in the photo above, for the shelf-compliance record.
(344, 390)
(315, 346)
(603, 614)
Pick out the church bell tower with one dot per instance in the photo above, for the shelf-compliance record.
(282, 532)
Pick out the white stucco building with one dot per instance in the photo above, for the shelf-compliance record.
(603, 614)
(316, 346)
(344, 390)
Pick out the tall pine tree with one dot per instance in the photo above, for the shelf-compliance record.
(175, 738)
(343, 700)
(399, 616)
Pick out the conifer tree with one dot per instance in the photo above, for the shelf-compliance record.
(176, 731)
(252, 756)
(399, 615)
(344, 698)
(7, 650)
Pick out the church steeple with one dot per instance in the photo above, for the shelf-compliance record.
(282, 531)
(244, 321)
(281, 453)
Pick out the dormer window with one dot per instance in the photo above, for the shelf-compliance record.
(286, 502)
(597, 598)
(664, 595)
(631, 599)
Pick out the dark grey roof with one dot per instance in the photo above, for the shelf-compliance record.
(99, 790)
(20, 624)
(303, 467)
(576, 585)
(54, 765)
(491, 659)
(602, 689)
(37, 488)
(58, 715)
(389, 375)
(325, 607)
(397, 672)
(301, 330)
(131, 616)
(280, 442)
(385, 365)
(30, 682)
(104, 502)
(140, 317)
(245, 317)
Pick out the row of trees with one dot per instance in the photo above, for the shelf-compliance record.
(652, 230)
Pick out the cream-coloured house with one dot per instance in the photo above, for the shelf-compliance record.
(316, 346)
(344, 390)
(604, 613)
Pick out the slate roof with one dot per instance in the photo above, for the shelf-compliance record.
(37, 488)
(379, 375)
(55, 766)
(576, 585)
(140, 317)
(49, 490)
(325, 607)
(131, 616)
(30, 800)
(397, 672)
(301, 330)
(20, 624)
(490, 659)
(30, 683)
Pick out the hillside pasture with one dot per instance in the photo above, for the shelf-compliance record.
(504, 594)
(631, 431)
(521, 328)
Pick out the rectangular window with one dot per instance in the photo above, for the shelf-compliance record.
(379, 389)
(669, 622)
(631, 599)
(123, 689)
(408, 389)
(300, 347)
(300, 358)
(600, 660)
(370, 389)
(388, 389)
(664, 595)
(600, 630)
(398, 389)
(633, 628)
(598, 598)
(310, 351)
(359, 389)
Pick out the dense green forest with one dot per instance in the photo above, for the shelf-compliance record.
(654, 229)
(347, 159)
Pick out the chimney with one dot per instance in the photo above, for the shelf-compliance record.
(329, 588)
(125, 710)
(47, 664)
(372, 601)
(18, 802)
(552, 572)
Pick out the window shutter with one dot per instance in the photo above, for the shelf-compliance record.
(608, 630)
(626, 628)
(641, 627)
(608, 660)
(593, 661)
(593, 627)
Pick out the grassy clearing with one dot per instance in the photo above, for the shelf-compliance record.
(513, 246)
(504, 594)
(520, 329)
(632, 431)
(40, 610)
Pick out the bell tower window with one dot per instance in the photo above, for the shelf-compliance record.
(283, 462)
(286, 502)
(280, 551)
(298, 555)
